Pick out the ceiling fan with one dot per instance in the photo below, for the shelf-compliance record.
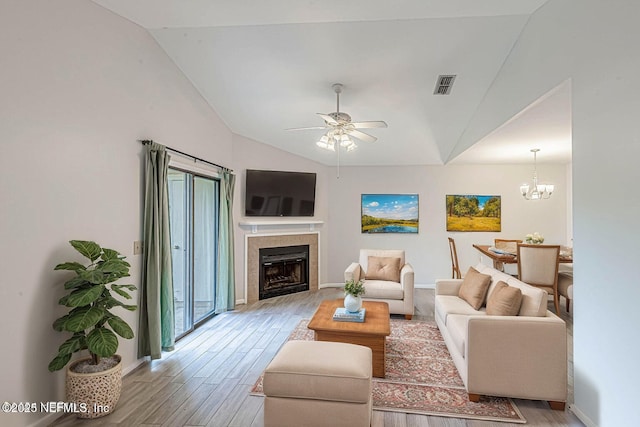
(341, 129)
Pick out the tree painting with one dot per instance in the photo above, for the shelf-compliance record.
(473, 213)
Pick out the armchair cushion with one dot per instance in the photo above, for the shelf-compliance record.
(382, 289)
(505, 300)
(383, 268)
(474, 288)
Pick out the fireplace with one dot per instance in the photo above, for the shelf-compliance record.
(283, 270)
(255, 242)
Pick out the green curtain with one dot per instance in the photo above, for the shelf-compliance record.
(156, 314)
(226, 284)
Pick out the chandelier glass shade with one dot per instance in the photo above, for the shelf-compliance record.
(536, 191)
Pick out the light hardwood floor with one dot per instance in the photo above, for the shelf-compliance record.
(206, 380)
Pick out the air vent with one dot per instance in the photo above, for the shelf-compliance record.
(444, 84)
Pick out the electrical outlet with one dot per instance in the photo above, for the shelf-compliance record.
(138, 247)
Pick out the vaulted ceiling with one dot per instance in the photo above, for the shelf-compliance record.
(267, 66)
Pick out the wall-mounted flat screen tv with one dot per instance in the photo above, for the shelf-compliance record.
(279, 193)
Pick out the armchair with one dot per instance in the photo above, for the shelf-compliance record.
(387, 278)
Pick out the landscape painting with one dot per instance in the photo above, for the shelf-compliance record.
(389, 213)
(473, 213)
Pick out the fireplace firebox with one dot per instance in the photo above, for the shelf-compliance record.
(283, 270)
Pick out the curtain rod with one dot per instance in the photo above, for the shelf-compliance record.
(150, 141)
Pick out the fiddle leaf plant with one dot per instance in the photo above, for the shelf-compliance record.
(90, 300)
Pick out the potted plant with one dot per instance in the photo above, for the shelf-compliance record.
(94, 383)
(353, 295)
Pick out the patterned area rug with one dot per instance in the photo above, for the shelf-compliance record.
(421, 377)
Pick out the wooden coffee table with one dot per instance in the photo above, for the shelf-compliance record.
(371, 333)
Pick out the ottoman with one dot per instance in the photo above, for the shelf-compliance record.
(318, 383)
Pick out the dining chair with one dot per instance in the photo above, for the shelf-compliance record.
(509, 245)
(565, 282)
(538, 266)
(455, 267)
(506, 243)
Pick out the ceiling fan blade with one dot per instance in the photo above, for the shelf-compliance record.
(361, 135)
(327, 118)
(310, 128)
(369, 125)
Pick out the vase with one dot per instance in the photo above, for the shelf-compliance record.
(352, 304)
(97, 393)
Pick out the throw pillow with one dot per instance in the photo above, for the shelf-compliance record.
(505, 300)
(383, 268)
(474, 288)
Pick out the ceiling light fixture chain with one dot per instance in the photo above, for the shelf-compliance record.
(536, 191)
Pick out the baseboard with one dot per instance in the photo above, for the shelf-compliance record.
(134, 365)
(47, 420)
(581, 416)
(50, 418)
(340, 285)
(330, 285)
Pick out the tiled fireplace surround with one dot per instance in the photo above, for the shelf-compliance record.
(256, 242)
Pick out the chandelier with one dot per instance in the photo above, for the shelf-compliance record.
(536, 191)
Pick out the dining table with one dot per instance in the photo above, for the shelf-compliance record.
(501, 257)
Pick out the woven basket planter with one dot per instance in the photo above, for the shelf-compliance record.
(99, 391)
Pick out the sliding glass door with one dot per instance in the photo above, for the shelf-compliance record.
(193, 215)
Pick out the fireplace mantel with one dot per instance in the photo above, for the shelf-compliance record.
(279, 223)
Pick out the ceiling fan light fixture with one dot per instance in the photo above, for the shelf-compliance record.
(344, 140)
(327, 143)
(347, 143)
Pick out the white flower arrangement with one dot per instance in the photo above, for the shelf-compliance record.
(535, 238)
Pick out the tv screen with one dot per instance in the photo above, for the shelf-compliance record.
(279, 193)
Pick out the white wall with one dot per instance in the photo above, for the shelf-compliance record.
(249, 154)
(594, 43)
(338, 205)
(79, 86)
(428, 251)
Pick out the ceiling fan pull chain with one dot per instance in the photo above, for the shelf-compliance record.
(338, 167)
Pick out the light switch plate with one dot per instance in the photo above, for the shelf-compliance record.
(137, 247)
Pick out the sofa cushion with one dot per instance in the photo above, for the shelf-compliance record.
(457, 326)
(382, 289)
(383, 268)
(534, 300)
(496, 276)
(474, 288)
(505, 300)
(449, 304)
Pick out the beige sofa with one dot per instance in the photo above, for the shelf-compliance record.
(388, 278)
(521, 356)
